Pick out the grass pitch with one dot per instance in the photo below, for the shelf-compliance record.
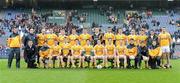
(24, 75)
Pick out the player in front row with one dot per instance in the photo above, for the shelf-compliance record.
(65, 54)
(142, 55)
(55, 55)
(131, 53)
(88, 54)
(121, 57)
(44, 56)
(76, 52)
(155, 54)
(110, 53)
(99, 53)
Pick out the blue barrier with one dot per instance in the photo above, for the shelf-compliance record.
(4, 53)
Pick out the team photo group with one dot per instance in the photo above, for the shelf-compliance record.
(139, 49)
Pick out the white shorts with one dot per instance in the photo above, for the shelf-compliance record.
(165, 49)
(145, 58)
(122, 56)
(99, 57)
(76, 57)
(132, 57)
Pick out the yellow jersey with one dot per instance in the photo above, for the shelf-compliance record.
(120, 39)
(61, 39)
(164, 39)
(120, 50)
(134, 37)
(155, 52)
(14, 41)
(132, 51)
(88, 49)
(56, 50)
(76, 49)
(99, 50)
(110, 49)
(142, 38)
(50, 39)
(41, 39)
(44, 53)
(83, 38)
(72, 39)
(108, 36)
(66, 49)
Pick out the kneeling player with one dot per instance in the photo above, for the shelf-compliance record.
(121, 57)
(87, 54)
(155, 55)
(99, 53)
(131, 53)
(55, 55)
(44, 54)
(76, 54)
(110, 53)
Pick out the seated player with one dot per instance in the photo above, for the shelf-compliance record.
(88, 54)
(99, 53)
(121, 57)
(65, 54)
(44, 54)
(155, 55)
(142, 55)
(131, 53)
(110, 53)
(55, 55)
(76, 51)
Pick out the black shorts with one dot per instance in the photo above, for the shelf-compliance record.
(65, 59)
(111, 60)
(84, 53)
(87, 58)
(54, 57)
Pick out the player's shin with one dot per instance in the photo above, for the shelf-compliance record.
(41, 63)
(61, 61)
(117, 61)
(50, 62)
(68, 61)
(83, 62)
(58, 62)
(125, 62)
(163, 60)
(91, 62)
(79, 61)
(105, 62)
(114, 61)
(95, 63)
(72, 61)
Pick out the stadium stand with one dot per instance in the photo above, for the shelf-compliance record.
(93, 16)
